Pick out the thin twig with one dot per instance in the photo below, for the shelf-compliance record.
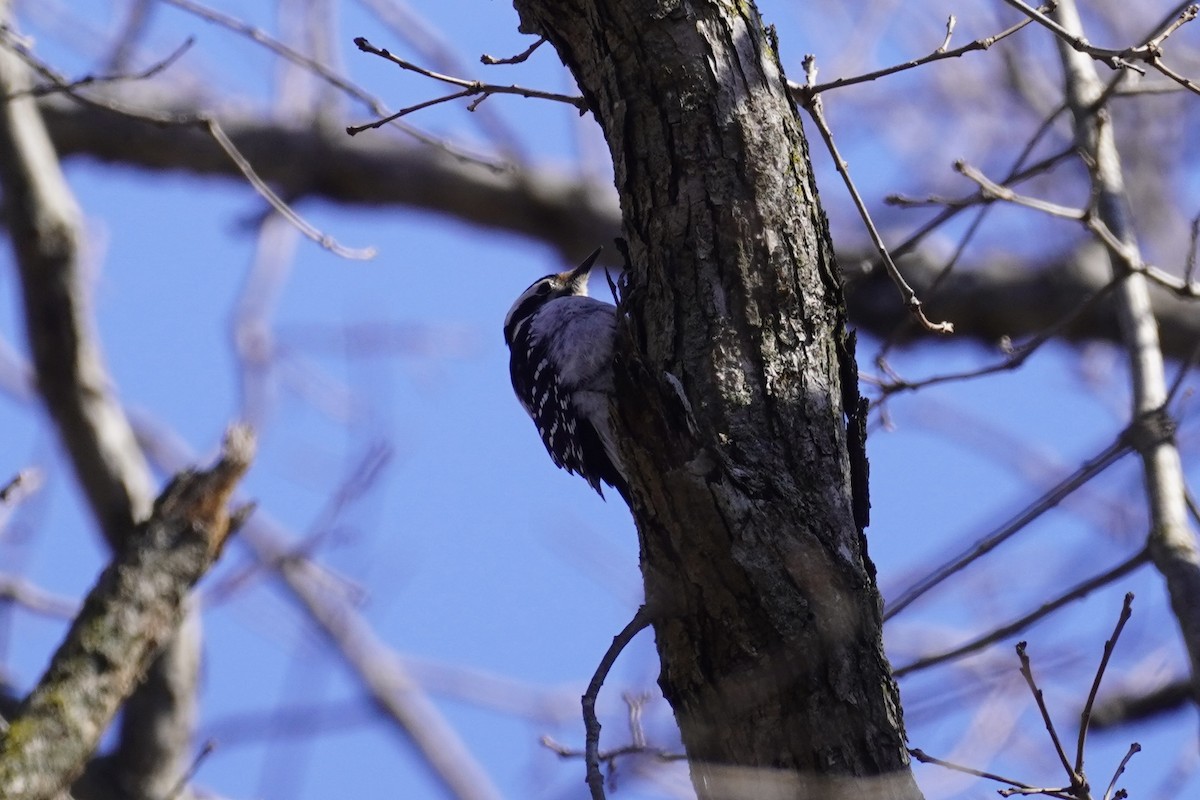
(1015, 173)
(14, 589)
(519, 58)
(1088, 470)
(471, 87)
(925, 758)
(325, 73)
(591, 723)
(92, 80)
(1116, 58)
(993, 190)
(1076, 592)
(1169, 23)
(205, 751)
(1064, 792)
(276, 202)
(955, 208)
(277, 47)
(1086, 715)
(1134, 748)
(1186, 83)
(1128, 255)
(1149, 52)
(1017, 355)
(951, 21)
(23, 484)
(1040, 700)
(354, 130)
(210, 125)
(909, 296)
(803, 94)
(437, 50)
(1188, 363)
(610, 756)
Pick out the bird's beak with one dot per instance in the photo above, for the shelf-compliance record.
(578, 277)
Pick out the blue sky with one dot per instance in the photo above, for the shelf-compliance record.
(473, 553)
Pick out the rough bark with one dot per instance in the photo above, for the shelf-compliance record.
(732, 397)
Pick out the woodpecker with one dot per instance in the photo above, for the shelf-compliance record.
(560, 344)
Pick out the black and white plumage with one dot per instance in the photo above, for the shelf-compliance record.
(560, 343)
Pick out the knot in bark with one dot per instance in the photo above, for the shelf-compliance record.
(1150, 429)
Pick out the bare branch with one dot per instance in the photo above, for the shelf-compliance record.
(556, 207)
(1017, 354)
(14, 589)
(1088, 470)
(138, 602)
(1039, 698)
(1172, 541)
(925, 758)
(994, 298)
(911, 302)
(1185, 83)
(44, 225)
(1123, 709)
(591, 723)
(439, 50)
(209, 124)
(377, 667)
(23, 484)
(322, 71)
(1086, 715)
(1076, 592)
(469, 87)
(993, 190)
(1078, 788)
(45, 228)
(56, 87)
(1172, 21)
(1149, 52)
(354, 130)
(803, 95)
(1134, 749)
(276, 202)
(1128, 254)
(519, 58)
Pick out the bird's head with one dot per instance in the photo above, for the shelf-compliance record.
(573, 282)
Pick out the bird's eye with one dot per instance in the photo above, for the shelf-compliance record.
(543, 290)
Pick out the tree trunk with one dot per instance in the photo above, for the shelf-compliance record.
(737, 387)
